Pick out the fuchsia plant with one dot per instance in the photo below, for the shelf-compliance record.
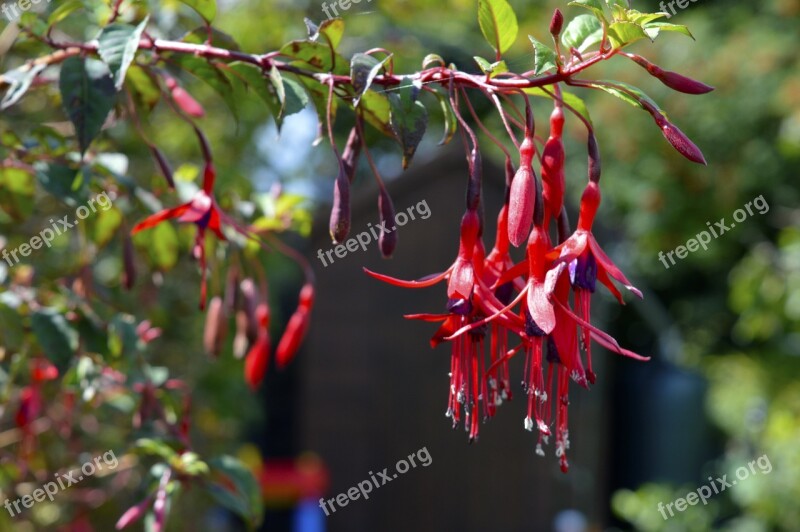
(495, 308)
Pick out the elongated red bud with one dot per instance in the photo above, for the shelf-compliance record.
(133, 514)
(128, 262)
(553, 166)
(679, 140)
(521, 206)
(350, 154)
(340, 211)
(590, 203)
(43, 370)
(296, 329)
(387, 241)
(255, 365)
(556, 23)
(673, 80)
(595, 164)
(216, 326)
(184, 100)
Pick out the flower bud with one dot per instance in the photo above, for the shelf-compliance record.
(521, 206)
(387, 241)
(350, 154)
(184, 100)
(340, 212)
(292, 337)
(216, 326)
(673, 80)
(556, 23)
(255, 365)
(133, 514)
(679, 140)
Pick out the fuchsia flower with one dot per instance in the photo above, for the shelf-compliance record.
(202, 211)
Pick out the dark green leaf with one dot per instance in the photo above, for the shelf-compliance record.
(450, 121)
(12, 332)
(409, 119)
(117, 45)
(58, 339)
(208, 72)
(363, 70)
(498, 23)
(245, 498)
(58, 180)
(87, 94)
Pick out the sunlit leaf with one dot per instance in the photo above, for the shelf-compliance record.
(498, 23)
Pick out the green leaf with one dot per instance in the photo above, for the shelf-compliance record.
(238, 490)
(654, 28)
(544, 58)
(58, 180)
(12, 332)
(624, 94)
(144, 88)
(498, 24)
(205, 8)
(58, 339)
(151, 447)
(122, 337)
(596, 6)
(88, 95)
(582, 32)
(491, 69)
(220, 39)
(409, 120)
(20, 81)
(432, 58)
(363, 70)
(64, 10)
(624, 33)
(117, 45)
(332, 30)
(316, 56)
(291, 95)
(376, 109)
(161, 245)
(450, 121)
(17, 190)
(106, 224)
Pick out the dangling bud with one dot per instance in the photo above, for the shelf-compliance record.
(595, 168)
(296, 329)
(133, 514)
(240, 340)
(475, 179)
(521, 205)
(255, 365)
(556, 23)
(673, 80)
(387, 241)
(216, 326)
(350, 154)
(340, 212)
(184, 100)
(553, 166)
(679, 140)
(249, 305)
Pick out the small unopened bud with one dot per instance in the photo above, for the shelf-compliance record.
(595, 167)
(184, 100)
(521, 206)
(249, 304)
(216, 326)
(387, 241)
(297, 327)
(350, 154)
(556, 23)
(133, 514)
(475, 178)
(340, 211)
(673, 80)
(679, 140)
(255, 365)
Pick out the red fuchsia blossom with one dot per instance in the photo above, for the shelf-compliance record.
(297, 328)
(202, 211)
(255, 365)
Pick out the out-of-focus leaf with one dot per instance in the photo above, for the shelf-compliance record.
(17, 190)
(106, 223)
(63, 10)
(144, 88)
(498, 23)
(117, 45)
(20, 81)
(87, 94)
(151, 447)
(58, 180)
(208, 72)
(12, 332)
(122, 338)
(331, 31)
(238, 490)
(570, 99)
(220, 39)
(595, 6)
(58, 339)
(363, 70)
(161, 246)
(491, 69)
(205, 8)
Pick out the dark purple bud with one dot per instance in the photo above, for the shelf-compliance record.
(475, 178)
(673, 80)
(556, 23)
(249, 304)
(340, 212)
(679, 140)
(163, 166)
(387, 240)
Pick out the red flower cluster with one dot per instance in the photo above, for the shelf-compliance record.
(544, 301)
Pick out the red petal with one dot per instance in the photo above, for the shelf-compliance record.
(540, 308)
(159, 217)
(425, 282)
(427, 317)
(462, 279)
(610, 267)
(571, 248)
